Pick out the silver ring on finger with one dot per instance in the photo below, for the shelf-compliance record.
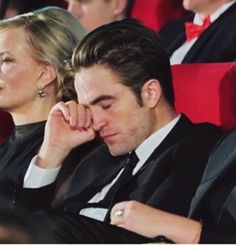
(119, 212)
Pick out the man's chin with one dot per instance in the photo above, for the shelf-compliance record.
(117, 151)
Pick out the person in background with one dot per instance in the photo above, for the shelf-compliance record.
(35, 73)
(152, 13)
(150, 153)
(208, 35)
(212, 214)
(93, 13)
(10, 8)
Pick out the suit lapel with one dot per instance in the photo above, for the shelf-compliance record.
(220, 162)
(182, 128)
(179, 40)
(92, 174)
(174, 42)
(229, 211)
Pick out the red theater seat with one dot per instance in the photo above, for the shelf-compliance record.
(155, 13)
(6, 125)
(206, 92)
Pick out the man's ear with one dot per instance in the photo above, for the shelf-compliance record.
(151, 93)
(47, 76)
(119, 7)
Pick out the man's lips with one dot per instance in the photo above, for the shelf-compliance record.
(108, 136)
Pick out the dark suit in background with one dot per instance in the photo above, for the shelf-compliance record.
(216, 44)
(215, 199)
(167, 180)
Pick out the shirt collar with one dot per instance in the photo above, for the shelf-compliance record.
(198, 21)
(146, 148)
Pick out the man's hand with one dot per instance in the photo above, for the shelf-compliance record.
(136, 217)
(69, 125)
(151, 222)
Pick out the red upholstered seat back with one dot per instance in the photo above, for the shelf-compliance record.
(155, 13)
(206, 92)
(6, 125)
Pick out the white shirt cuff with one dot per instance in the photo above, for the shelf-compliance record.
(37, 177)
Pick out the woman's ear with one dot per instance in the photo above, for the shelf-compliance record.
(151, 93)
(47, 76)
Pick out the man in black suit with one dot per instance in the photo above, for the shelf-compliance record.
(212, 216)
(125, 96)
(208, 35)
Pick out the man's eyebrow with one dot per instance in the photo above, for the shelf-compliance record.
(101, 98)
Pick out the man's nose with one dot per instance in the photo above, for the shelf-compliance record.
(98, 122)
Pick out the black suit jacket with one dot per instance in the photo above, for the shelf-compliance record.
(167, 180)
(221, 164)
(216, 44)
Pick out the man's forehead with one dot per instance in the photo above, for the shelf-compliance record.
(80, 77)
(82, 87)
(89, 90)
(100, 74)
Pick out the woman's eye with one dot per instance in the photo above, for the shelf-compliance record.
(6, 64)
(6, 60)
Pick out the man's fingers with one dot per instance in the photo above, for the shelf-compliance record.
(82, 117)
(72, 113)
(61, 108)
(88, 119)
(78, 116)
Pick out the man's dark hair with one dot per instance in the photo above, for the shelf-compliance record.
(131, 50)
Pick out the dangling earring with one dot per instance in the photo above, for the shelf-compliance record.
(41, 93)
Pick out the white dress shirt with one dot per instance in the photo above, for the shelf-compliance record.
(37, 177)
(179, 54)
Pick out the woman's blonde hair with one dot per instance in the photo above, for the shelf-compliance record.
(52, 34)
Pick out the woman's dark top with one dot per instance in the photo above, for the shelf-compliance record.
(16, 154)
(19, 149)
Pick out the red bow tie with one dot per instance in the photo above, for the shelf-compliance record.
(192, 30)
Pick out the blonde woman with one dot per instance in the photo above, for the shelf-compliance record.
(35, 50)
